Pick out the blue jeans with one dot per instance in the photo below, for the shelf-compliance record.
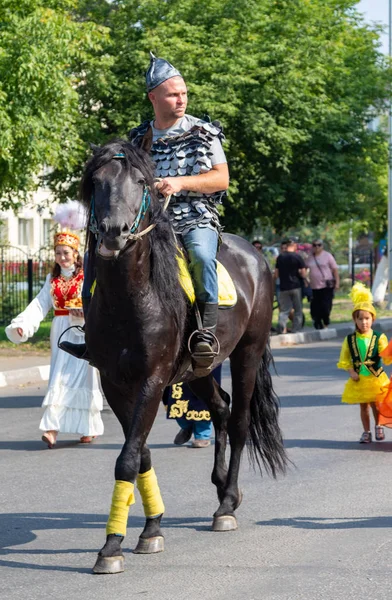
(202, 245)
(201, 429)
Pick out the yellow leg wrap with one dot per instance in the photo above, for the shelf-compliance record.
(122, 499)
(147, 484)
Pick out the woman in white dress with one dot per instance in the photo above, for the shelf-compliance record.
(73, 402)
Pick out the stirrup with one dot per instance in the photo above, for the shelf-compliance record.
(214, 340)
(72, 348)
(203, 358)
(78, 327)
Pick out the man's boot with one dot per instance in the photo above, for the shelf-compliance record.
(78, 350)
(202, 341)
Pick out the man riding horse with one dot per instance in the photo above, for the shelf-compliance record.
(192, 167)
(136, 324)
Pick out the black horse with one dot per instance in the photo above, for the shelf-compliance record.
(137, 329)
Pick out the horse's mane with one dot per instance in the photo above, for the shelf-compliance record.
(163, 245)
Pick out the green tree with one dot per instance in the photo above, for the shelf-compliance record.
(46, 57)
(294, 82)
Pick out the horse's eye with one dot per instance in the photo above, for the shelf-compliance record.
(138, 177)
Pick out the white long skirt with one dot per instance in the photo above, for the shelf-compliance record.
(74, 401)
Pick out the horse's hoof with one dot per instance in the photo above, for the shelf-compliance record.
(150, 545)
(108, 565)
(224, 523)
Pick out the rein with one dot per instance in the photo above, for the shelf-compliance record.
(145, 204)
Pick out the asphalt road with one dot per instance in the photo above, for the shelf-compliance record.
(322, 532)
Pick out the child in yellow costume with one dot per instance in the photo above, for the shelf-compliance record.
(360, 356)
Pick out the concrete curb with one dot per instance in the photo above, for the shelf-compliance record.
(384, 324)
(41, 373)
(303, 337)
(23, 376)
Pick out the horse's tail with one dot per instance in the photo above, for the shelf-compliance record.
(265, 438)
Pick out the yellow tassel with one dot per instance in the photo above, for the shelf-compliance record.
(147, 484)
(360, 293)
(362, 299)
(122, 499)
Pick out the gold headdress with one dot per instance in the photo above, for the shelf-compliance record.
(362, 299)
(66, 238)
(70, 215)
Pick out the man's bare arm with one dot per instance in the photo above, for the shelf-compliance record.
(216, 180)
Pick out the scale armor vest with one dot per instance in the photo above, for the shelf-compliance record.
(186, 154)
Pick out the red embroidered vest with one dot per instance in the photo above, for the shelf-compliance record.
(63, 289)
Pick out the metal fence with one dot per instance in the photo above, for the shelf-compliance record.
(21, 278)
(362, 267)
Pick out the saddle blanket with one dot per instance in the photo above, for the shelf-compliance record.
(227, 296)
(227, 291)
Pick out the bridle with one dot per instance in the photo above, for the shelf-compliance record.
(144, 206)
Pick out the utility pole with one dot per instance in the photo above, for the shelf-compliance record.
(350, 249)
(389, 304)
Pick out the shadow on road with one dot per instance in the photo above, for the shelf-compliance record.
(21, 401)
(20, 528)
(331, 523)
(12, 564)
(339, 445)
(39, 446)
(307, 401)
(17, 529)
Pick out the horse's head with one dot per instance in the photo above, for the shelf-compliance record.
(116, 186)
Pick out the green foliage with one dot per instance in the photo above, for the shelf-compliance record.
(294, 82)
(39, 343)
(45, 57)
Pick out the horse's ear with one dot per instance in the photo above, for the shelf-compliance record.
(94, 148)
(146, 142)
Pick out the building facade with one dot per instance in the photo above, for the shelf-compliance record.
(32, 227)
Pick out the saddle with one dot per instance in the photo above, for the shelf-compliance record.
(227, 293)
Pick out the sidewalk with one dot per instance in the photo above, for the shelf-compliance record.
(24, 360)
(19, 370)
(22, 370)
(339, 330)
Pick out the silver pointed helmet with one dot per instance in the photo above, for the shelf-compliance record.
(160, 70)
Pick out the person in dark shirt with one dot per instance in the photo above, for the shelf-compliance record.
(290, 268)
